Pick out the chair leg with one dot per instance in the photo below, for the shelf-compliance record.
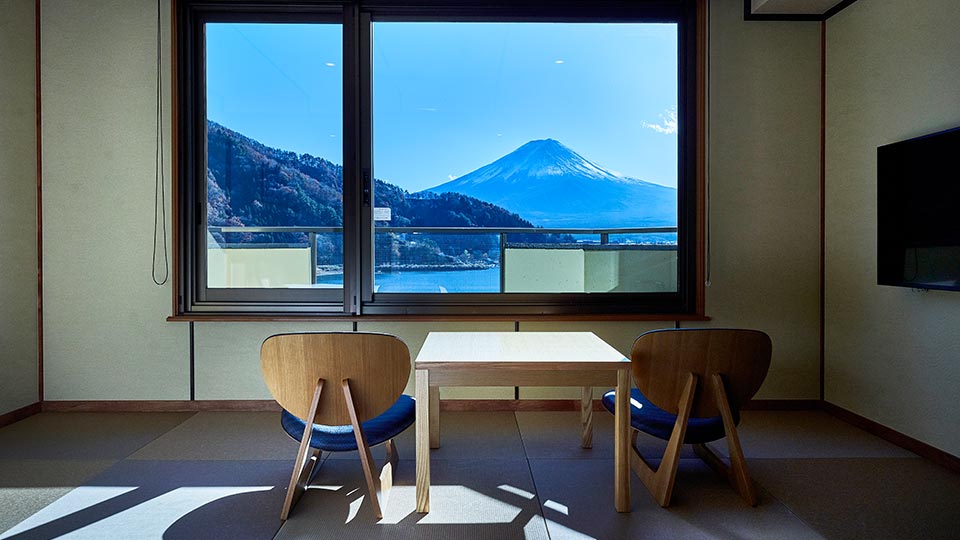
(738, 474)
(366, 458)
(304, 465)
(660, 481)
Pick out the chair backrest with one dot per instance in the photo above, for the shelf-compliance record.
(377, 365)
(661, 360)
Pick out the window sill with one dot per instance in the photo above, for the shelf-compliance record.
(248, 317)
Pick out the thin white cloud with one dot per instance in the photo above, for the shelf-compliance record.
(427, 109)
(668, 123)
(558, 61)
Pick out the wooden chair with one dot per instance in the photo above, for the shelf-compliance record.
(349, 385)
(690, 386)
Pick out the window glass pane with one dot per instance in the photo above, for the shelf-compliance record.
(525, 157)
(274, 186)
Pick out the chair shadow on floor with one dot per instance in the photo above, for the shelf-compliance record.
(472, 500)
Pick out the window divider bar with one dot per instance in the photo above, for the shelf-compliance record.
(364, 54)
(353, 218)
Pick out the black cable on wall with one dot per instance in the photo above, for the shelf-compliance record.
(159, 189)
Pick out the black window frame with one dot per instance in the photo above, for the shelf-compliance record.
(358, 297)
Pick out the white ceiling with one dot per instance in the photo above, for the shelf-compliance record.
(792, 7)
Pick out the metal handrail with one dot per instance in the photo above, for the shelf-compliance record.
(448, 230)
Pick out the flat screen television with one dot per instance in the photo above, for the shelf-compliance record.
(918, 212)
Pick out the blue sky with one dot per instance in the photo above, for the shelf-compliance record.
(452, 97)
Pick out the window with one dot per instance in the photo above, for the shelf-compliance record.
(531, 158)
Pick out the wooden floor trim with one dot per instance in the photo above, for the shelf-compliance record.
(781, 405)
(514, 405)
(907, 442)
(247, 405)
(19, 414)
(445, 405)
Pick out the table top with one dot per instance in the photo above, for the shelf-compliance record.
(526, 350)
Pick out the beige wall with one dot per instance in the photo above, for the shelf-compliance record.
(18, 204)
(893, 355)
(764, 176)
(106, 337)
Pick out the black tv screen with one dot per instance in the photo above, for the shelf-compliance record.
(918, 212)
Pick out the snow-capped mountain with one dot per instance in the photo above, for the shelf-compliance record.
(553, 186)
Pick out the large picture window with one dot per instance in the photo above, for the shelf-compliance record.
(532, 158)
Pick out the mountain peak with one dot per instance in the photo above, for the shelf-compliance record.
(552, 146)
(543, 143)
(550, 184)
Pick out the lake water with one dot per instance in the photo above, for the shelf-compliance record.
(451, 281)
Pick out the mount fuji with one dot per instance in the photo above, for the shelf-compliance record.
(553, 186)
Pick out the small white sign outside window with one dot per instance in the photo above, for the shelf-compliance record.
(381, 214)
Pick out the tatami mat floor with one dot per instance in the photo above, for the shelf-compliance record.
(498, 475)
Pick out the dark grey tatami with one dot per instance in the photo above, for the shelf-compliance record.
(558, 435)
(497, 475)
(95, 436)
(806, 434)
(867, 499)
(222, 436)
(577, 497)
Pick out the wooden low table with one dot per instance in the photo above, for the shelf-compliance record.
(521, 359)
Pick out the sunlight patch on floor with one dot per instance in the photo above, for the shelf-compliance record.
(449, 505)
(147, 520)
(77, 500)
(557, 507)
(516, 491)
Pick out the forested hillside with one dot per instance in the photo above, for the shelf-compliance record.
(250, 184)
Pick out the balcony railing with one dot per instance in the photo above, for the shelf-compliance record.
(588, 239)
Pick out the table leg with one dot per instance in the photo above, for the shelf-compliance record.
(434, 417)
(621, 481)
(586, 416)
(423, 440)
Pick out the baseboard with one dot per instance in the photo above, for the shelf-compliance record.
(574, 405)
(161, 405)
(269, 405)
(19, 414)
(907, 442)
(514, 405)
(781, 405)
(445, 405)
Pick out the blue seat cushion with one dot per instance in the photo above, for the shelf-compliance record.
(392, 422)
(648, 418)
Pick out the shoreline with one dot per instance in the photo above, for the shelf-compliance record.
(383, 269)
